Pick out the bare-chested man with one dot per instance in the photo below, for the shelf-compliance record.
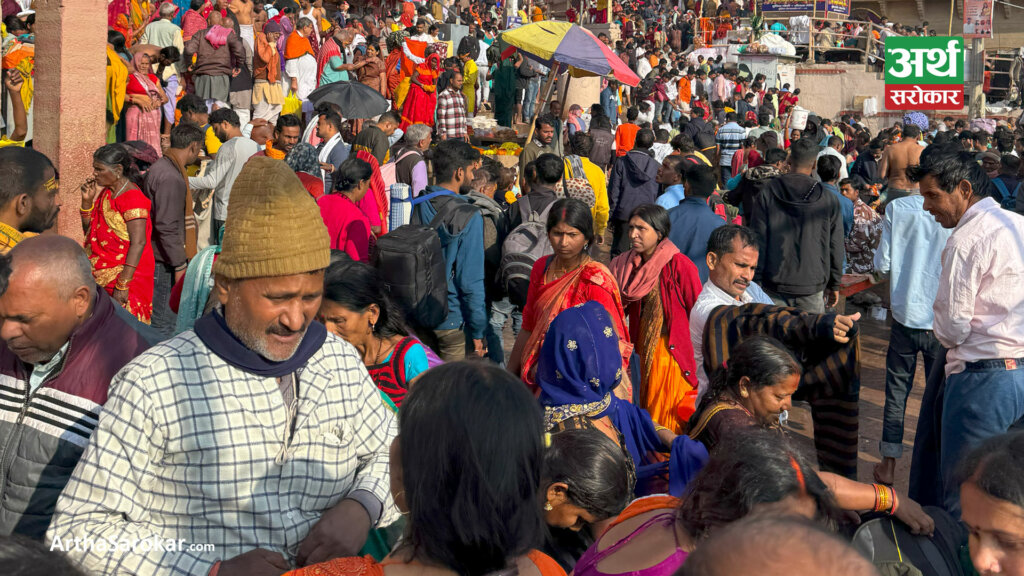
(894, 163)
(243, 11)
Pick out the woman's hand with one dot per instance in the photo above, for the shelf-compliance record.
(89, 192)
(911, 514)
(143, 101)
(121, 297)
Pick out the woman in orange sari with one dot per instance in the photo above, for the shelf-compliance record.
(469, 425)
(659, 287)
(567, 278)
(419, 105)
(116, 220)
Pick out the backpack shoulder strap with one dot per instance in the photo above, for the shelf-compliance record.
(524, 207)
(1002, 187)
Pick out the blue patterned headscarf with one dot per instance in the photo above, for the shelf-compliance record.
(580, 364)
(917, 119)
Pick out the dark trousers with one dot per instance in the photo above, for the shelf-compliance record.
(900, 366)
(215, 226)
(925, 476)
(620, 236)
(164, 319)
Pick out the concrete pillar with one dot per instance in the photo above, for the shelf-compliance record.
(70, 94)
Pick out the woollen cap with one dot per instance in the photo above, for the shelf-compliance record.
(273, 226)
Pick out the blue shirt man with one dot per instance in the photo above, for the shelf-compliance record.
(461, 231)
(692, 220)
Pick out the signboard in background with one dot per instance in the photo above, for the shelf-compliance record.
(513, 22)
(829, 6)
(924, 73)
(787, 75)
(977, 18)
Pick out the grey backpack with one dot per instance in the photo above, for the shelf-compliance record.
(523, 246)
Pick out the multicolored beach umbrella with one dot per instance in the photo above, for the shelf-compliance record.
(551, 41)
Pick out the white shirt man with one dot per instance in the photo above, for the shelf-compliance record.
(732, 260)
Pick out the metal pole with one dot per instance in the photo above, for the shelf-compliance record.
(952, 4)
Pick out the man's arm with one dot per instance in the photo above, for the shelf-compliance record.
(419, 177)
(882, 259)
(883, 165)
(837, 247)
(216, 171)
(107, 497)
(469, 277)
(614, 187)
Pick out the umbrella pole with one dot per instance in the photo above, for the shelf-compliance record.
(552, 74)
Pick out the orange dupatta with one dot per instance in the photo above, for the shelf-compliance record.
(561, 293)
(297, 46)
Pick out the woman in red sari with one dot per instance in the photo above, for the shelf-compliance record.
(567, 278)
(116, 220)
(422, 99)
(143, 100)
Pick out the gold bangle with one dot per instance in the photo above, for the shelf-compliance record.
(87, 210)
(121, 284)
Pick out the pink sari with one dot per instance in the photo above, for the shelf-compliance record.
(142, 125)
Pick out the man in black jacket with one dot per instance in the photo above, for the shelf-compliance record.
(801, 230)
(633, 182)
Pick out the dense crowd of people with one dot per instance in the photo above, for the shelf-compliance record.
(300, 339)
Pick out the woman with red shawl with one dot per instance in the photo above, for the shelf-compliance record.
(422, 99)
(194, 19)
(144, 97)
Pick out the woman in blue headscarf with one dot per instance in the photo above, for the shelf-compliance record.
(579, 368)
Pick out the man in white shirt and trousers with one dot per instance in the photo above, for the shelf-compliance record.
(979, 314)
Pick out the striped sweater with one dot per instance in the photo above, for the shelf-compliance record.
(43, 433)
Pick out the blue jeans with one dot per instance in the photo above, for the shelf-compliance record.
(900, 366)
(530, 99)
(500, 312)
(983, 401)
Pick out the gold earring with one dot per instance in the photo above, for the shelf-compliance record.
(744, 393)
(547, 507)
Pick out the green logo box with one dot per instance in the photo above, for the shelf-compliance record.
(931, 60)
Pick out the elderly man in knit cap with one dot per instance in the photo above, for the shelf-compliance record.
(257, 432)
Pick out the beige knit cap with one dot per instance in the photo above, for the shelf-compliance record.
(273, 226)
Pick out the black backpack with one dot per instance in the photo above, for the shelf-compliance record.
(411, 261)
(412, 264)
(893, 549)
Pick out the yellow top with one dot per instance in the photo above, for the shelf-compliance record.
(5, 141)
(595, 175)
(9, 237)
(213, 144)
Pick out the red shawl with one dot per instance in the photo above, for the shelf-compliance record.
(380, 193)
(191, 23)
(328, 50)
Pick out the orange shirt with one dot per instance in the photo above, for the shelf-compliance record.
(625, 138)
(685, 94)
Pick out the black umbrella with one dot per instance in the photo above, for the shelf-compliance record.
(355, 99)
